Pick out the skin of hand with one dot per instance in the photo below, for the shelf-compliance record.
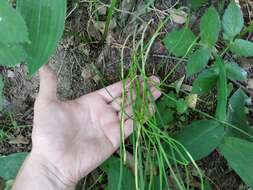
(72, 138)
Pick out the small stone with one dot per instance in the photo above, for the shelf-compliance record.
(10, 74)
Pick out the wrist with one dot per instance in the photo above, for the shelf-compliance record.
(39, 171)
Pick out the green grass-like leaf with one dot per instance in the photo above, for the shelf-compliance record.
(221, 109)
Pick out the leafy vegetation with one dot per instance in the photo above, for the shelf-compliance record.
(30, 34)
(230, 118)
(11, 164)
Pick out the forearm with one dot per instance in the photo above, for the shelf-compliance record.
(36, 174)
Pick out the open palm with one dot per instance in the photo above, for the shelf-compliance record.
(77, 136)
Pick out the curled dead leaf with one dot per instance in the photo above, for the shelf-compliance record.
(178, 16)
(186, 87)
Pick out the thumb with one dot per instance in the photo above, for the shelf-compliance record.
(48, 83)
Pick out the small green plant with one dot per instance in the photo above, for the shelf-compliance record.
(228, 131)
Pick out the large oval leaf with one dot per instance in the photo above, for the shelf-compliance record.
(9, 165)
(239, 154)
(112, 168)
(179, 42)
(235, 72)
(201, 137)
(12, 26)
(210, 26)
(232, 21)
(198, 60)
(11, 55)
(237, 115)
(242, 48)
(205, 81)
(45, 21)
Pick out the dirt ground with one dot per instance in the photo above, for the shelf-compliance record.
(83, 65)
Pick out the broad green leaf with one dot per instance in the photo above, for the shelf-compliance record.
(12, 26)
(182, 106)
(170, 100)
(180, 41)
(205, 81)
(164, 115)
(239, 154)
(45, 21)
(9, 165)
(237, 115)
(242, 48)
(112, 168)
(235, 72)
(11, 55)
(200, 138)
(221, 109)
(210, 26)
(232, 21)
(196, 3)
(198, 60)
(1, 95)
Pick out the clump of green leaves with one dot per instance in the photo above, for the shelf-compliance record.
(228, 131)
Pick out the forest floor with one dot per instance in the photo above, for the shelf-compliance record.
(81, 64)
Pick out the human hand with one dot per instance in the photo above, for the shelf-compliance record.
(75, 137)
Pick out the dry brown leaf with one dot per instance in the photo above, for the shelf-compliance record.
(186, 87)
(250, 83)
(178, 16)
(179, 83)
(246, 63)
(19, 140)
(93, 31)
